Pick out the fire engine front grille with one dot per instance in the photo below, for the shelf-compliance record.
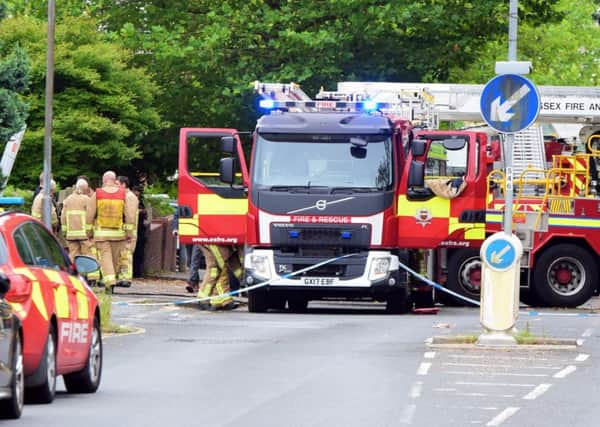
(309, 235)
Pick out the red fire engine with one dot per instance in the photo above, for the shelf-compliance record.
(323, 185)
(455, 196)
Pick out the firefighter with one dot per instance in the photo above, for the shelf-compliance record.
(77, 219)
(220, 259)
(125, 269)
(36, 207)
(113, 226)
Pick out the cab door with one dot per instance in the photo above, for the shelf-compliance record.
(442, 192)
(209, 210)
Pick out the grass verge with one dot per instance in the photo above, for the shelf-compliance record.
(105, 302)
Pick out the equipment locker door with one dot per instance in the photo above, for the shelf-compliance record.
(210, 211)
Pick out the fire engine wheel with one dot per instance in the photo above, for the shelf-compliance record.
(88, 379)
(45, 392)
(565, 275)
(258, 302)
(12, 407)
(464, 276)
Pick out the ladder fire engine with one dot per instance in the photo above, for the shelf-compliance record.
(556, 208)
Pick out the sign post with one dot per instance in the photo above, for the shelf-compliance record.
(509, 103)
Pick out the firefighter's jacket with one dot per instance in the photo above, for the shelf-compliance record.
(132, 200)
(36, 209)
(114, 213)
(77, 217)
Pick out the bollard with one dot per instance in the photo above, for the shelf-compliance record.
(500, 270)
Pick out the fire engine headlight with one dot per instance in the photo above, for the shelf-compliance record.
(379, 268)
(260, 265)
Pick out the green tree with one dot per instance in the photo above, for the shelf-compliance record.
(14, 69)
(206, 53)
(103, 108)
(556, 58)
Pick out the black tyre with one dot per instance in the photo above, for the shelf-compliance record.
(464, 276)
(88, 379)
(12, 407)
(565, 275)
(398, 303)
(297, 304)
(258, 302)
(45, 392)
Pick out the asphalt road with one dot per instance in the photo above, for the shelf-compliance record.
(338, 365)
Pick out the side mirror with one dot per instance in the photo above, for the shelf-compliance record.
(86, 264)
(417, 147)
(416, 175)
(454, 144)
(4, 284)
(228, 145)
(226, 170)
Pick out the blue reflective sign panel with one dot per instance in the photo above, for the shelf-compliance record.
(500, 254)
(509, 103)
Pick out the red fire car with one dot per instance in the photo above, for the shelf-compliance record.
(59, 313)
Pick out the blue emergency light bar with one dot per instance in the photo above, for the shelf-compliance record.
(367, 106)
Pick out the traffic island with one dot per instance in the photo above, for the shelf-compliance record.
(523, 341)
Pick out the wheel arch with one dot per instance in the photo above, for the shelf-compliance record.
(563, 240)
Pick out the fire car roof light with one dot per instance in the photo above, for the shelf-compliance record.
(346, 234)
(294, 234)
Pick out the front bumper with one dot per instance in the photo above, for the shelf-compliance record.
(343, 277)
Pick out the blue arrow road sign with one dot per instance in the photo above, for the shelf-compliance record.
(500, 254)
(509, 103)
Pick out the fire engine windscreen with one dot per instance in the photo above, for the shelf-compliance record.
(359, 162)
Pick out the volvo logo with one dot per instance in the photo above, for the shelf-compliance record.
(321, 205)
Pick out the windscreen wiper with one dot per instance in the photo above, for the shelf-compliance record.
(355, 190)
(298, 188)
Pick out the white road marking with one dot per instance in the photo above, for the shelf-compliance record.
(495, 374)
(503, 416)
(537, 392)
(568, 370)
(469, 407)
(423, 368)
(408, 414)
(468, 356)
(493, 384)
(429, 354)
(487, 365)
(588, 332)
(444, 389)
(415, 390)
(582, 357)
